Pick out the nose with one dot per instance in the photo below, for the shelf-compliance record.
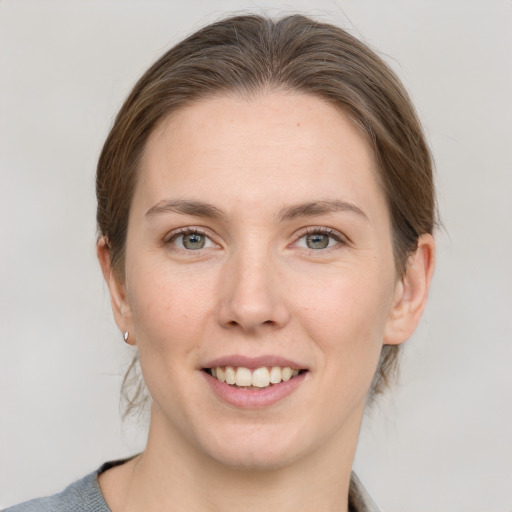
(252, 294)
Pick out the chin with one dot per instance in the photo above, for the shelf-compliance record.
(257, 447)
(250, 459)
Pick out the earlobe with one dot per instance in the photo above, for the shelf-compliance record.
(118, 298)
(411, 293)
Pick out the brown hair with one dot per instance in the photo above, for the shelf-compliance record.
(249, 54)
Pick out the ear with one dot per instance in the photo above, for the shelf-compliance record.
(118, 298)
(411, 293)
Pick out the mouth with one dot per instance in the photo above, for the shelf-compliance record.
(257, 378)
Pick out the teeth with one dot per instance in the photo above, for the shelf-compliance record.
(286, 373)
(259, 378)
(220, 374)
(230, 375)
(275, 375)
(243, 377)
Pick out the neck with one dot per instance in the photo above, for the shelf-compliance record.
(173, 475)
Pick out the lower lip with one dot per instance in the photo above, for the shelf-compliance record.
(254, 398)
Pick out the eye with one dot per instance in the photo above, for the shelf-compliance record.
(319, 238)
(190, 239)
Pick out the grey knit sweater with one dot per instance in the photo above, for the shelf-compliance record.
(81, 496)
(85, 496)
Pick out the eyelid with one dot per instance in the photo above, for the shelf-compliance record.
(188, 230)
(309, 230)
(323, 230)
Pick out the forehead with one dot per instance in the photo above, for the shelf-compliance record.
(286, 144)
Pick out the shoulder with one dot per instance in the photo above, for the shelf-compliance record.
(84, 495)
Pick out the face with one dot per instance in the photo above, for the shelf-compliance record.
(258, 251)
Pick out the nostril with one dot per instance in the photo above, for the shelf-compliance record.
(234, 323)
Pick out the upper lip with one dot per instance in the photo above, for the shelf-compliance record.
(253, 362)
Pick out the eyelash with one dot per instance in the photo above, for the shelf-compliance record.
(312, 230)
(183, 232)
(318, 230)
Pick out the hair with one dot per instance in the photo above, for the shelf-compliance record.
(251, 54)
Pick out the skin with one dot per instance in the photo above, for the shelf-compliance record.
(254, 289)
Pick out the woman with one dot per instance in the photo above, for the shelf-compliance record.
(265, 211)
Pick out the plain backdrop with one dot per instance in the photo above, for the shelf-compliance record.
(441, 440)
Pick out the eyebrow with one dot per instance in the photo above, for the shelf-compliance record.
(206, 210)
(196, 208)
(318, 208)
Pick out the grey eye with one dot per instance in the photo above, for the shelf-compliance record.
(317, 241)
(193, 241)
(190, 239)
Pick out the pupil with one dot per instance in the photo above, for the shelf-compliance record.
(193, 241)
(317, 241)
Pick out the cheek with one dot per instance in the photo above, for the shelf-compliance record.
(169, 312)
(346, 314)
(168, 309)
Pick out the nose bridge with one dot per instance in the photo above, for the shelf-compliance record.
(250, 294)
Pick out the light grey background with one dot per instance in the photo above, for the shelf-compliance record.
(439, 442)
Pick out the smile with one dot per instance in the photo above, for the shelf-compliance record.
(262, 377)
